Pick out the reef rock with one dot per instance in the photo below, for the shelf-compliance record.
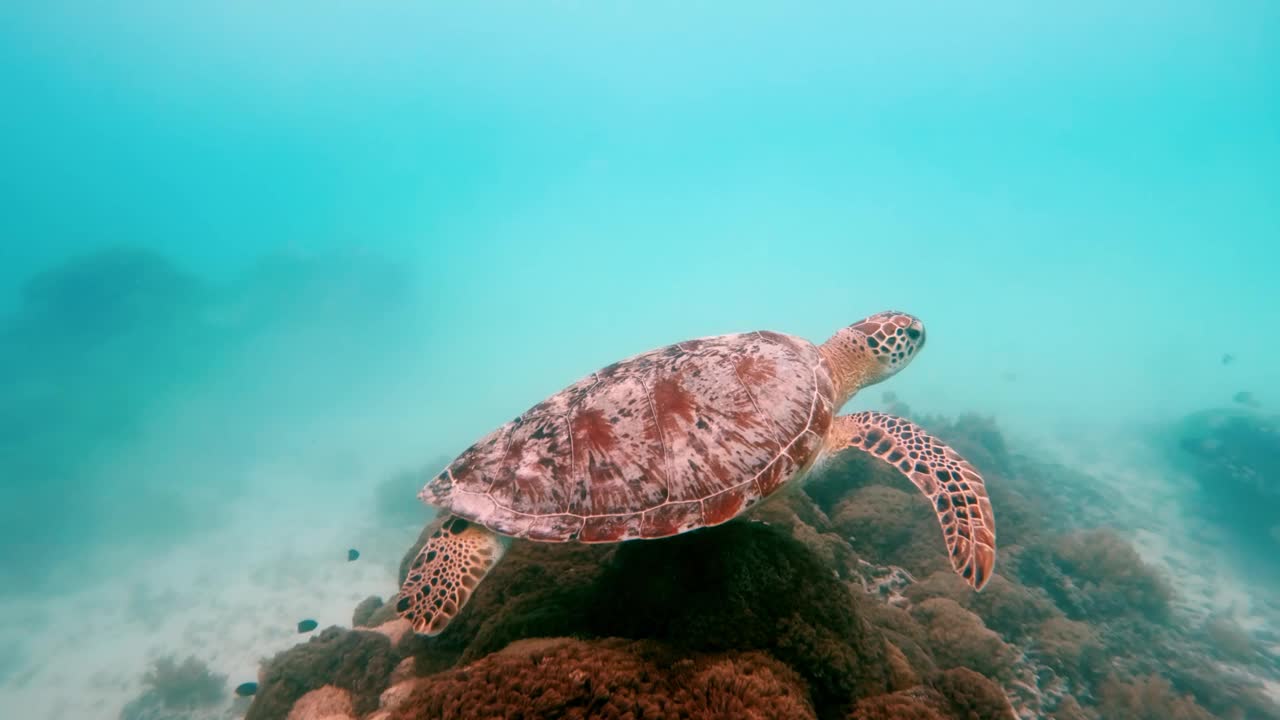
(364, 612)
(745, 586)
(356, 662)
(1235, 455)
(606, 680)
(741, 586)
(326, 703)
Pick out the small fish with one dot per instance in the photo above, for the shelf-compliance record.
(246, 689)
(1246, 398)
(307, 626)
(1228, 358)
(353, 555)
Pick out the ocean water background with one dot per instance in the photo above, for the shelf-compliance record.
(363, 235)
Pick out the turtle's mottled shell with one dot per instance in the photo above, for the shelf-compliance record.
(674, 439)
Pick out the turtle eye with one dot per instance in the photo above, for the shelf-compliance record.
(913, 333)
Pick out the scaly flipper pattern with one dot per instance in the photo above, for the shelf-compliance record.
(953, 486)
(450, 565)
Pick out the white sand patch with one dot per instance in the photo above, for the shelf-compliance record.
(231, 599)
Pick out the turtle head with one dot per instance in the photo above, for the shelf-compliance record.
(873, 350)
(893, 338)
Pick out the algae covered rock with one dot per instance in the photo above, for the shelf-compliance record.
(958, 638)
(971, 696)
(1112, 577)
(1235, 457)
(1071, 648)
(745, 586)
(609, 679)
(1148, 698)
(739, 586)
(365, 611)
(356, 661)
(1096, 575)
(915, 704)
(959, 694)
(1004, 605)
(878, 519)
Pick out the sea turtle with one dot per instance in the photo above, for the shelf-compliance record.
(679, 438)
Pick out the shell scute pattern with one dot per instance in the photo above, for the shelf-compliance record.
(667, 441)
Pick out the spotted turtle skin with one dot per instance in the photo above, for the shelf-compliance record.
(678, 438)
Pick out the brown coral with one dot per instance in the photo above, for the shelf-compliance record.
(1069, 709)
(901, 675)
(1004, 605)
(1147, 698)
(799, 515)
(906, 634)
(1112, 577)
(739, 586)
(888, 525)
(918, 704)
(1070, 647)
(878, 518)
(958, 638)
(1094, 575)
(607, 679)
(959, 694)
(745, 586)
(970, 696)
(844, 474)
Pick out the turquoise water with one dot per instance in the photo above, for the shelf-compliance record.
(365, 234)
(1085, 196)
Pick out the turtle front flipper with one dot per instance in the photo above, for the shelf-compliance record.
(453, 561)
(953, 486)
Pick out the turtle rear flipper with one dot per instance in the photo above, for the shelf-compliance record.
(446, 571)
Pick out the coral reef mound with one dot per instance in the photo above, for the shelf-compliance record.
(608, 679)
(745, 586)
